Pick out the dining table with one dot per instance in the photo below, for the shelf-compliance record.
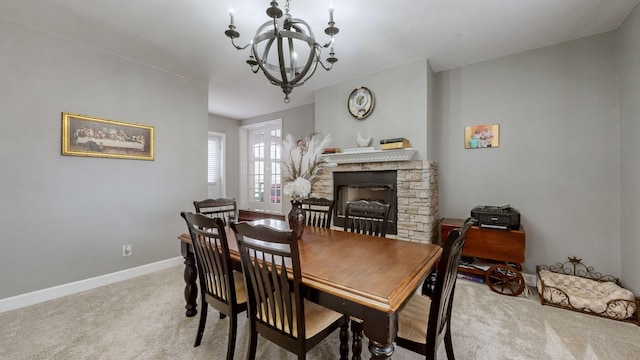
(367, 277)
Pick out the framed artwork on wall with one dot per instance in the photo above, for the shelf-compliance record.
(84, 135)
(482, 136)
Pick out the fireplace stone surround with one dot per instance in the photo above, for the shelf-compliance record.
(417, 195)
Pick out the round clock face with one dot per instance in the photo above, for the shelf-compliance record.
(360, 103)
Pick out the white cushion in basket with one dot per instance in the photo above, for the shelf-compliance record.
(587, 294)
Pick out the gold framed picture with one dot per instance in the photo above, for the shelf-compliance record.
(84, 135)
(482, 136)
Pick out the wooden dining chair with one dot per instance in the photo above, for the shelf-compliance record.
(225, 209)
(366, 217)
(319, 211)
(220, 286)
(425, 322)
(277, 310)
(371, 218)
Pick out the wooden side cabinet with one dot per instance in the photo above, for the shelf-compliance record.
(485, 243)
(499, 246)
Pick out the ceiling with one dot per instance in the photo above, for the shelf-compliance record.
(186, 37)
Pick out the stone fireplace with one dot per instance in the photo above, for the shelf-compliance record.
(416, 191)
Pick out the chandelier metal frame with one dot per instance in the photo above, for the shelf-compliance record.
(279, 38)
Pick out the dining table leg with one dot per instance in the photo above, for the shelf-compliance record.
(190, 276)
(380, 351)
(381, 330)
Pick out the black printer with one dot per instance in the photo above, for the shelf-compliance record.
(496, 217)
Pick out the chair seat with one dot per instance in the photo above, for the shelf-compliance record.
(413, 319)
(317, 318)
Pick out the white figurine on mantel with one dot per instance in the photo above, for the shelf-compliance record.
(363, 141)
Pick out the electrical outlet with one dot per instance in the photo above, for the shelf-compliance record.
(126, 250)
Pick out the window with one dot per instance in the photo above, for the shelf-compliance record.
(213, 173)
(215, 165)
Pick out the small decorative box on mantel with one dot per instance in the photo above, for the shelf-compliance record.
(371, 156)
(397, 143)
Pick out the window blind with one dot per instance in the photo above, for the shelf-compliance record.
(213, 173)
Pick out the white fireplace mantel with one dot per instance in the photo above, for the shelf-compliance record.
(370, 156)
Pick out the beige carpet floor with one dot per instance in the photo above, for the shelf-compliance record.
(143, 318)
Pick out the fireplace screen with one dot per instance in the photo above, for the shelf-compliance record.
(365, 185)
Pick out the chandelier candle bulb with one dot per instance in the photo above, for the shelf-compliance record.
(231, 16)
(331, 13)
(294, 63)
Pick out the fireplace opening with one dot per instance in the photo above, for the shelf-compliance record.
(365, 185)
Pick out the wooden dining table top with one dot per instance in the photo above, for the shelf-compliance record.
(378, 273)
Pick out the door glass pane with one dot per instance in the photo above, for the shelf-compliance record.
(256, 170)
(275, 141)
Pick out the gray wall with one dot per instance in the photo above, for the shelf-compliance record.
(629, 62)
(400, 109)
(559, 155)
(298, 121)
(65, 218)
(229, 127)
(432, 137)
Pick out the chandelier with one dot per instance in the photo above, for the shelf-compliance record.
(285, 48)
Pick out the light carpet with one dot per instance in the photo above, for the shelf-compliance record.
(143, 318)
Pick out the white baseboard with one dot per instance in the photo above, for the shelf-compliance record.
(35, 297)
(530, 279)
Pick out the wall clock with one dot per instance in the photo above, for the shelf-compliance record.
(360, 103)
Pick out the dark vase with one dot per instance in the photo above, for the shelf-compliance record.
(297, 218)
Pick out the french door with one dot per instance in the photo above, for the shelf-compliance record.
(263, 168)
